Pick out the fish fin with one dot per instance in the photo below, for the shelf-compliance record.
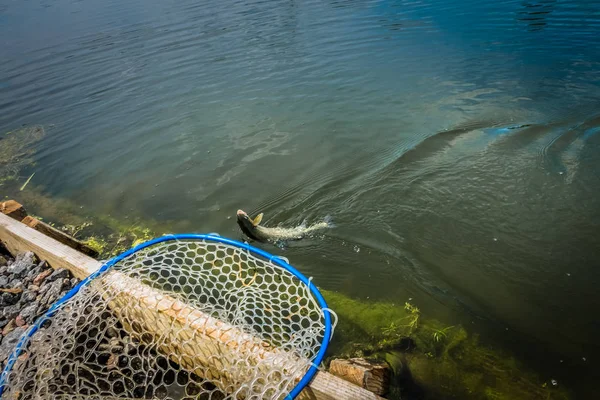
(257, 220)
(329, 221)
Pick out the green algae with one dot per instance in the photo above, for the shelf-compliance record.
(17, 151)
(105, 234)
(429, 358)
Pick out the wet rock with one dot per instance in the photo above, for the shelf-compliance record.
(52, 292)
(30, 312)
(10, 312)
(7, 299)
(41, 276)
(9, 342)
(3, 261)
(3, 281)
(23, 263)
(60, 273)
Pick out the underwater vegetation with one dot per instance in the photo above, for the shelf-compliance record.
(430, 360)
(17, 150)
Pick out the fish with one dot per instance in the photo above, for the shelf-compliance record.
(251, 227)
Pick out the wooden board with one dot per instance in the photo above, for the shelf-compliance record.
(371, 375)
(13, 209)
(157, 310)
(59, 235)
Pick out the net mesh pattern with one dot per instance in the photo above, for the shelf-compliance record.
(185, 319)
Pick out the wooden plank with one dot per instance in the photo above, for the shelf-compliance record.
(371, 375)
(19, 237)
(59, 235)
(189, 340)
(13, 209)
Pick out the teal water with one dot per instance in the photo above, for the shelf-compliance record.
(456, 144)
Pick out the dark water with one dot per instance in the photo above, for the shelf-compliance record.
(456, 143)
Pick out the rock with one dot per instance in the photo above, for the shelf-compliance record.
(60, 273)
(10, 326)
(10, 312)
(3, 323)
(3, 269)
(16, 284)
(9, 343)
(7, 299)
(40, 278)
(3, 281)
(3, 261)
(33, 273)
(19, 321)
(74, 282)
(33, 288)
(51, 293)
(22, 264)
(28, 296)
(30, 312)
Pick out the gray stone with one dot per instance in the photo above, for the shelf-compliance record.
(3, 323)
(3, 281)
(10, 312)
(74, 282)
(33, 288)
(60, 273)
(3, 261)
(52, 293)
(9, 342)
(43, 289)
(30, 312)
(28, 296)
(7, 299)
(3, 269)
(16, 284)
(33, 273)
(22, 264)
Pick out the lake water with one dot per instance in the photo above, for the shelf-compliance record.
(455, 144)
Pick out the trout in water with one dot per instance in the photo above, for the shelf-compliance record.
(253, 229)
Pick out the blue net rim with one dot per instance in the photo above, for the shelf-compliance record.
(185, 236)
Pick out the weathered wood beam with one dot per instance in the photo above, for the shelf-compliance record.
(59, 235)
(13, 209)
(157, 311)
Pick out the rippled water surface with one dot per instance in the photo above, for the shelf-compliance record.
(455, 143)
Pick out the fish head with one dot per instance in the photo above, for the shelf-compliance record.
(247, 224)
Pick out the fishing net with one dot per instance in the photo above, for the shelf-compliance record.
(181, 317)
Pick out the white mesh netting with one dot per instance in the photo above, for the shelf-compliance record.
(181, 319)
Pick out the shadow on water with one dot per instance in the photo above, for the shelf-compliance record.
(535, 13)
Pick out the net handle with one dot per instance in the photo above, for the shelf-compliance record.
(186, 236)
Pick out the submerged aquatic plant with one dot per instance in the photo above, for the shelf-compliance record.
(17, 150)
(442, 361)
(440, 334)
